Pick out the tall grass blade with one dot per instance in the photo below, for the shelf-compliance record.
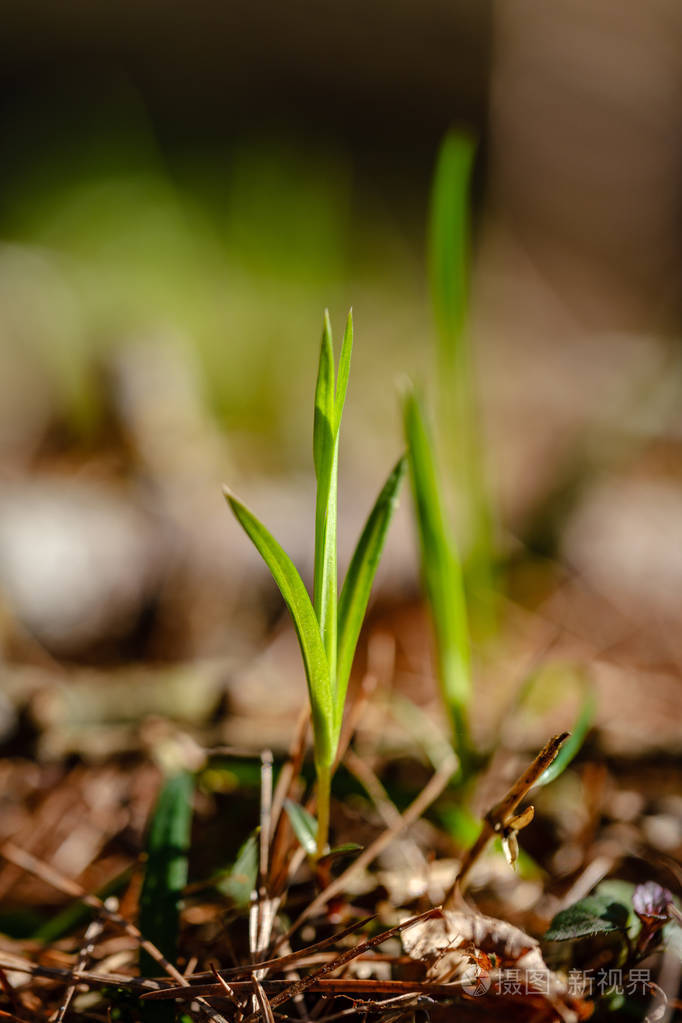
(359, 578)
(325, 455)
(449, 244)
(307, 628)
(344, 369)
(449, 241)
(166, 874)
(442, 574)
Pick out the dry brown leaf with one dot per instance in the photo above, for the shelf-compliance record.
(459, 945)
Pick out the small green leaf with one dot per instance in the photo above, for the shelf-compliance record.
(307, 628)
(573, 744)
(442, 574)
(359, 579)
(344, 369)
(304, 825)
(325, 455)
(339, 851)
(166, 870)
(323, 426)
(240, 881)
(596, 914)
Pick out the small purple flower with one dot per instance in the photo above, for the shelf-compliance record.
(650, 901)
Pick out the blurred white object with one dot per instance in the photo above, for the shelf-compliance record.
(625, 540)
(78, 560)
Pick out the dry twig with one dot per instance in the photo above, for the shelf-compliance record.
(500, 818)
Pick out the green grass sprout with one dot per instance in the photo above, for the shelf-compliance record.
(239, 881)
(166, 875)
(442, 577)
(304, 825)
(327, 627)
(573, 745)
(459, 426)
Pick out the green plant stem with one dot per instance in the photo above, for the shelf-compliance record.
(324, 783)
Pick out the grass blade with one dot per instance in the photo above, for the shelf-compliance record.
(304, 825)
(166, 871)
(239, 882)
(359, 579)
(442, 574)
(449, 239)
(449, 245)
(305, 620)
(344, 370)
(574, 742)
(325, 456)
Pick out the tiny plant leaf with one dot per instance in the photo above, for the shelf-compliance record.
(166, 871)
(305, 621)
(339, 851)
(344, 369)
(239, 882)
(442, 574)
(304, 825)
(573, 744)
(359, 578)
(325, 456)
(599, 913)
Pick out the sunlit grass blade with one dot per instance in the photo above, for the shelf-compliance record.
(344, 369)
(359, 578)
(318, 622)
(239, 882)
(166, 873)
(305, 620)
(449, 254)
(572, 746)
(442, 574)
(325, 455)
(449, 239)
(304, 825)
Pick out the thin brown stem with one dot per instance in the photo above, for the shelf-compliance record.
(499, 816)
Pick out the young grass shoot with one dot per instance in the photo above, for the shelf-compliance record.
(327, 627)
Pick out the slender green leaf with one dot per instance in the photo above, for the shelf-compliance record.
(341, 851)
(344, 369)
(239, 882)
(304, 825)
(307, 628)
(325, 455)
(323, 424)
(573, 744)
(449, 236)
(166, 870)
(359, 579)
(442, 574)
(449, 245)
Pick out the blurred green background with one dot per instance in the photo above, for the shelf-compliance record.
(184, 189)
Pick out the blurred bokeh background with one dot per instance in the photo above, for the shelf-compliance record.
(183, 190)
